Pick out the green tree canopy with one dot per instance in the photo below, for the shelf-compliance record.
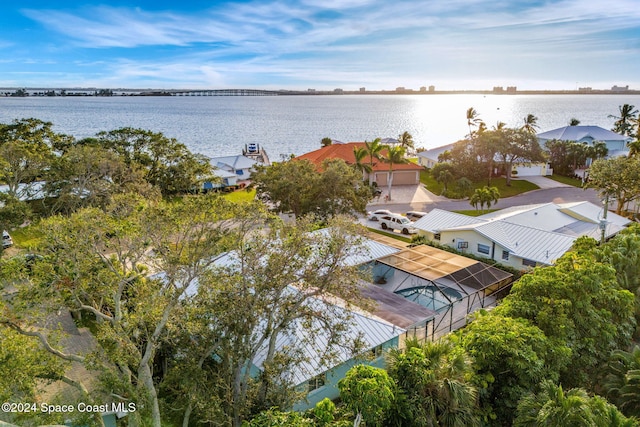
(369, 392)
(511, 356)
(576, 303)
(617, 178)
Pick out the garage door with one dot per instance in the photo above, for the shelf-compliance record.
(405, 178)
(381, 178)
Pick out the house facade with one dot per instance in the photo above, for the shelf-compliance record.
(228, 167)
(402, 173)
(521, 236)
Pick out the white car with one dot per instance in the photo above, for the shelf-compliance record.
(397, 222)
(375, 215)
(6, 239)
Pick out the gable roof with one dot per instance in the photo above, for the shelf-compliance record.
(312, 339)
(539, 232)
(345, 152)
(433, 153)
(233, 162)
(526, 242)
(578, 133)
(439, 219)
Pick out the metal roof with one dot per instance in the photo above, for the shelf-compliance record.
(234, 162)
(578, 133)
(527, 242)
(439, 219)
(312, 338)
(396, 309)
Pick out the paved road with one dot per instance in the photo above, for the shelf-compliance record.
(557, 195)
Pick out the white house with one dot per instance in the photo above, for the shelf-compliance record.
(240, 166)
(521, 236)
(429, 158)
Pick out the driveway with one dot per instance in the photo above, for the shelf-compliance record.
(543, 182)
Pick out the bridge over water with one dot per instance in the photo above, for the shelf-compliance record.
(228, 92)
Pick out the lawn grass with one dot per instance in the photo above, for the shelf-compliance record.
(517, 186)
(394, 235)
(429, 182)
(566, 180)
(240, 196)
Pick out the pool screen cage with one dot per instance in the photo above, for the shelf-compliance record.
(452, 285)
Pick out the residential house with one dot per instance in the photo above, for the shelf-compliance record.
(241, 166)
(522, 236)
(430, 158)
(403, 173)
(616, 143)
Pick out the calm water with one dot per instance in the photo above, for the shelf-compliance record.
(295, 124)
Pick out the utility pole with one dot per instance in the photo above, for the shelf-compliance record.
(603, 221)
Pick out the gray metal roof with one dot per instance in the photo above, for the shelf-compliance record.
(235, 162)
(439, 219)
(312, 338)
(580, 133)
(527, 242)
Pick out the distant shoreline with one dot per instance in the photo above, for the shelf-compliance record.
(84, 92)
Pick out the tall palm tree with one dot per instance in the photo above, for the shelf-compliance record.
(574, 122)
(530, 123)
(624, 122)
(374, 148)
(393, 156)
(360, 153)
(473, 121)
(634, 147)
(406, 140)
(598, 150)
(499, 125)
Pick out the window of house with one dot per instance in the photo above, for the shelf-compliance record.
(239, 172)
(528, 262)
(436, 236)
(317, 382)
(376, 351)
(505, 255)
(484, 249)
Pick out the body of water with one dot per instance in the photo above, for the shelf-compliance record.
(283, 125)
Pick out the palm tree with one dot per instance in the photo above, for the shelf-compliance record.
(598, 150)
(405, 140)
(530, 123)
(499, 125)
(374, 148)
(624, 122)
(326, 141)
(444, 177)
(634, 147)
(394, 156)
(574, 122)
(622, 382)
(484, 196)
(473, 121)
(359, 153)
(553, 407)
(434, 379)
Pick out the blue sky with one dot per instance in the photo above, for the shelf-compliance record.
(321, 44)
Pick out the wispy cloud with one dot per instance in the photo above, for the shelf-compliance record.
(345, 41)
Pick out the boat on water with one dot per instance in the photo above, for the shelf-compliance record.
(257, 153)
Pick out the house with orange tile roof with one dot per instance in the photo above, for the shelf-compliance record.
(403, 173)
